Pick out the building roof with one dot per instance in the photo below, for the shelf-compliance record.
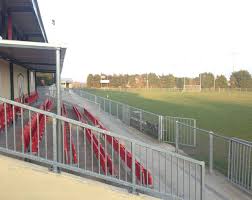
(26, 18)
(35, 56)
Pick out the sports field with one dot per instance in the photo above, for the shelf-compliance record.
(226, 113)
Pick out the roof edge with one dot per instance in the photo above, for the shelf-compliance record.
(38, 15)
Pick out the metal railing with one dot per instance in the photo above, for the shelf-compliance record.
(240, 164)
(174, 176)
(230, 156)
(155, 125)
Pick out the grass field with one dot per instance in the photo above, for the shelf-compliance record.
(225, 113)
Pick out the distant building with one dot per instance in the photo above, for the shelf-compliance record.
(66, 83)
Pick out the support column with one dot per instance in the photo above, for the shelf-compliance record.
(35, 78)
(58, 102)
(28, 81)
(11, 82)
(10, 30)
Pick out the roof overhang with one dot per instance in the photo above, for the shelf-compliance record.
(26, 19)
(34, 56)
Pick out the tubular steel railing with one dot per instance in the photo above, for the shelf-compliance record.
(158, 126)
(173, 175)
(230, 156)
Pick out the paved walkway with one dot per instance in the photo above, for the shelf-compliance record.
(25, 181)
(217, 187)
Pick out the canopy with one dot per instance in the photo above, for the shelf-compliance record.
(34, 56)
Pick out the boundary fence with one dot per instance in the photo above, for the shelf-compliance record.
(174, 176)
(155, 125)
(230, 156)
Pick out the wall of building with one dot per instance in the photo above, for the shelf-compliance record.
(4, 79)
(19, 71)
(5, 89)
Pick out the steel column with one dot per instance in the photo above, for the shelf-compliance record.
(28, 81)
(11, 81)
(58, 102)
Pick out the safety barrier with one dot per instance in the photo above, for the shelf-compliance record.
(104, 158)
(143, 175)
(36, 139)
(35, 124)
(156, 125)
(230, 156)
(174, 176)
(69, 147)
(6, 116)
(240, 164)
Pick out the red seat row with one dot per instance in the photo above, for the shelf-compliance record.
(31, 128)
(32, 98)
(67, 140)
(140, 171)
(9, 116)
(47, 106)
(102, 156)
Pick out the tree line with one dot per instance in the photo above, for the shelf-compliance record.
(238, 79)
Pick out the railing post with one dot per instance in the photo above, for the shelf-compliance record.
(160, 128)
(194, 132)
(117, 111)
(211, 152)
(202, 194)
(141, 119)
(55, 145)
(229, 157)
(133, 168)
(177, 137)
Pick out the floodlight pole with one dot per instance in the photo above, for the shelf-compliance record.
(58, 100)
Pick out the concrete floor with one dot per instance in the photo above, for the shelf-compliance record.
(26, 181)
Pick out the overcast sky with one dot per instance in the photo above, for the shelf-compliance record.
(183, 37)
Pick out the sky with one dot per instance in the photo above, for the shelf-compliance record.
(180, 37)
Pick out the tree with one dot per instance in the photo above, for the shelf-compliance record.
(170, 81)
(207, 80)
(241, 79)
(153, 80)
(221, 82)
(90, 79)
(96, 81)
(179, 82)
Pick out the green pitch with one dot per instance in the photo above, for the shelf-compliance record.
(225, 113)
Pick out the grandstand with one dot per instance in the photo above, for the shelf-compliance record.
(58, 129)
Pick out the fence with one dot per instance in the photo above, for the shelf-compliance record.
(240, 164)
(174, 176)
(216, 90)
(232, 157)
(157, 126)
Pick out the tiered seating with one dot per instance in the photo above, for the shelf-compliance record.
(67, 138)
(103, 157)
(47, 105)
(32, 98)
(141, 172)
(9, 116)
